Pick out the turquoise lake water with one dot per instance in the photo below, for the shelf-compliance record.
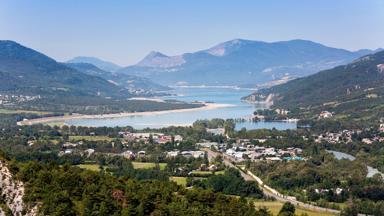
(207, 94)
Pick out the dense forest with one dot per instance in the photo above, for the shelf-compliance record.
(67, 190)
(320, 178)
(96, 105)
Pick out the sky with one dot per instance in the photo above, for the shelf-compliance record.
(125, 31)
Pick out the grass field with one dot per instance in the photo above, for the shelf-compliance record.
(59, 124)
(92, 167)
(144, 165)
(5, 111)
(179, 180)
(198, 172)
(54, 141)
(136, 165)
(275, 206)
(90, 138)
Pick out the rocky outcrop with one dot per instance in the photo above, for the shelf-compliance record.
(13, 192)
(259, 99)
(2, 213)
(380, 68)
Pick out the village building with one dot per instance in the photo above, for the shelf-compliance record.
(325, 114)
(216, 131)
(194, 154)
(88, 152)
(70, 145)
(367, 141)
(173, 154)
(128, 154)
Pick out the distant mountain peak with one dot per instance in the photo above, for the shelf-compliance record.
(239, 41)
(15, 50)
(158, 59)
(102, 64)
(31, 72)
(350, 84)
(302, 41)
(227, 47)
(9, 42)
(155, 54)
(133, 83)
(241, 61)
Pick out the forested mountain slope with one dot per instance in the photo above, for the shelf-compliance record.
(102, 64)
(354, 89)
(26, 71)
(131, 82)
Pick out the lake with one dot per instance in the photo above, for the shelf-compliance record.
(220, 95)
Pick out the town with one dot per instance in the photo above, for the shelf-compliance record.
(12, 99)
(212, 108)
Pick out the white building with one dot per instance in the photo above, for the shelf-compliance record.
(173, 153)
(325, 114)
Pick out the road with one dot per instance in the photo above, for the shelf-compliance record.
(268, 191)
(227, 162)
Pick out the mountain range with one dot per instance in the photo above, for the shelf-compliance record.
(236, 62)
(242, 62)
(133, 83)
(30, 80)
(26, 71)
(104, 65)
(352, 88)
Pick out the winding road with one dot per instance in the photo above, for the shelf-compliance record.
(268, 191)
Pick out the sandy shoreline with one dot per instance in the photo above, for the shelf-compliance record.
(207, 106)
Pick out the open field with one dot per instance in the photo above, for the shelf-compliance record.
(54, 141)
(92, 167)
(275, 206)
(90, 138)
(179, 180)
(59, 124)
(207, 172)
(5, 111)
(136, 165)
(144, 165)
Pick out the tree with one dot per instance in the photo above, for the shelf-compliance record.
(264, 211)
(350, 211)
(229, 126)
(288, 209)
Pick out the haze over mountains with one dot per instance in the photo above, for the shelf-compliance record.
(236, 62)
(133, 83)
(356, 87)
(104, 65)
(242, 62)
(26, 71)
(30, 80)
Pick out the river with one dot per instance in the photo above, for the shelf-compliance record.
(220, 95)
(340, 155)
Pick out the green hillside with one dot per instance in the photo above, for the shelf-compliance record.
(354, 89)
(26, 71)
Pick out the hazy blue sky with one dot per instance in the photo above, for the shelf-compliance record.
(125, 31)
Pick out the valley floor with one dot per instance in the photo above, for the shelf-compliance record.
(275, 206)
